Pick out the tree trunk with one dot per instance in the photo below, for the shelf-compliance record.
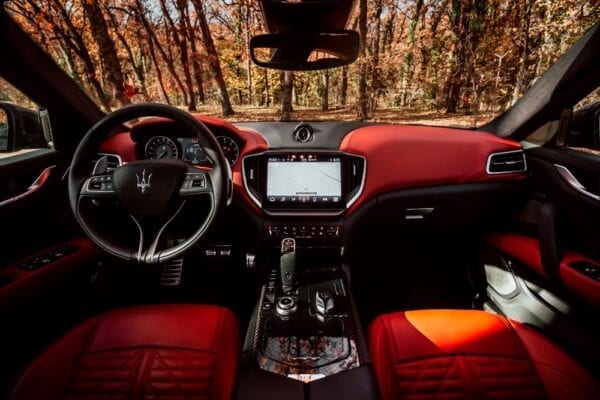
(181, 43)
(213, 60)
(106, 48)
(376, 42)
(408, 59)
(152, 36)
(459, 24)
(363, 100)
(248, 59)
(158, 72)
(344, 86)
(267, 94)
(325, 90)
(72, 37)
(196, 57)
(524, 60)
(287, 85)
(137, 67)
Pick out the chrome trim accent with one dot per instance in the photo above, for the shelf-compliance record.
(307, 133)
(230, 184)
(362, 182)
(248, 192)
(286, 309)
(489, 161)
(141, 243)
(568, 176)
(420, 210)
(151, 256)
(34, 187)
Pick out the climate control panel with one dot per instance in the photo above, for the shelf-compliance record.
(303, 231)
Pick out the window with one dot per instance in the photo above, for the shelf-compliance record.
(584, 130)
(21, 123)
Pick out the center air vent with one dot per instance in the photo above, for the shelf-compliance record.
(506, 162)
(303, 133)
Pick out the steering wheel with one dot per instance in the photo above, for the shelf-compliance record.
(151, 192)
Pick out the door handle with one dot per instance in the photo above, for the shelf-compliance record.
(568, 176)
(34, 187)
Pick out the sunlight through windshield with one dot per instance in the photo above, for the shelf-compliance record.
(428, 62)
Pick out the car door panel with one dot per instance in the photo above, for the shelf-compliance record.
(33, 206)
(578, 214)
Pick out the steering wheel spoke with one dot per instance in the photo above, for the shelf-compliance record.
(98, 186)
(150, 236)
(196, 183)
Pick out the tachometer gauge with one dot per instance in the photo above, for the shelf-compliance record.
(161, 147)
(194, 154)
(230, 148)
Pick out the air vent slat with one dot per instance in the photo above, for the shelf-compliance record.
(506, 162)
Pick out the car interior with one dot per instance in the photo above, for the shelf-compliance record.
(182, 256)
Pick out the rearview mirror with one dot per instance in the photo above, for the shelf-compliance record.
(305, 51)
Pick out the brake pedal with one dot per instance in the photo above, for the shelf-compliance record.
(170, 274)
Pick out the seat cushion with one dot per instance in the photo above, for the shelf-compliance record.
(149, 352)
(465, 354)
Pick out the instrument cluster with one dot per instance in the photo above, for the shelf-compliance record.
(188, 149)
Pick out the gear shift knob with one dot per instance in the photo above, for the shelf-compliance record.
(288, 264)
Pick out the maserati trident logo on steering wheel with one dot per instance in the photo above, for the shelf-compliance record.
(143, 182)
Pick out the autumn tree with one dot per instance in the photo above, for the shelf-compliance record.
(213, 59)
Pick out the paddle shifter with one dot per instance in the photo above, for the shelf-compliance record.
(288, 264)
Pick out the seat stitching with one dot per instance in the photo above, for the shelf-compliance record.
(215, 347)
(84, 348)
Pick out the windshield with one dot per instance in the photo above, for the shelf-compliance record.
(425, 61)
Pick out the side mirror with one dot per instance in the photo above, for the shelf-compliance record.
(305, 51)
(20, 128)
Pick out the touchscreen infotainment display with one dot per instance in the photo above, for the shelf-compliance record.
(304, 179)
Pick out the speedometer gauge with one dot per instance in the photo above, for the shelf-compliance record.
(161, 147)
(230, 148)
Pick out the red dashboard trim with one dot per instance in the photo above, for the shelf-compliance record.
(404, 156)
(398, 156)
(120, 143)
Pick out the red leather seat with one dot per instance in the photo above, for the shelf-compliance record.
(150, 352)
(463, 354)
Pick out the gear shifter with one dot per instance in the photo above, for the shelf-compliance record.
(288, 264)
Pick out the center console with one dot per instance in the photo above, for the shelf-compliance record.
(305, 339)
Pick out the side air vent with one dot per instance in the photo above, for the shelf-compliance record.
(506, 162)
(356, 178)
(252, 177)
(303, 133)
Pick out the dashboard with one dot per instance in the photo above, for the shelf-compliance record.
(339, 170)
